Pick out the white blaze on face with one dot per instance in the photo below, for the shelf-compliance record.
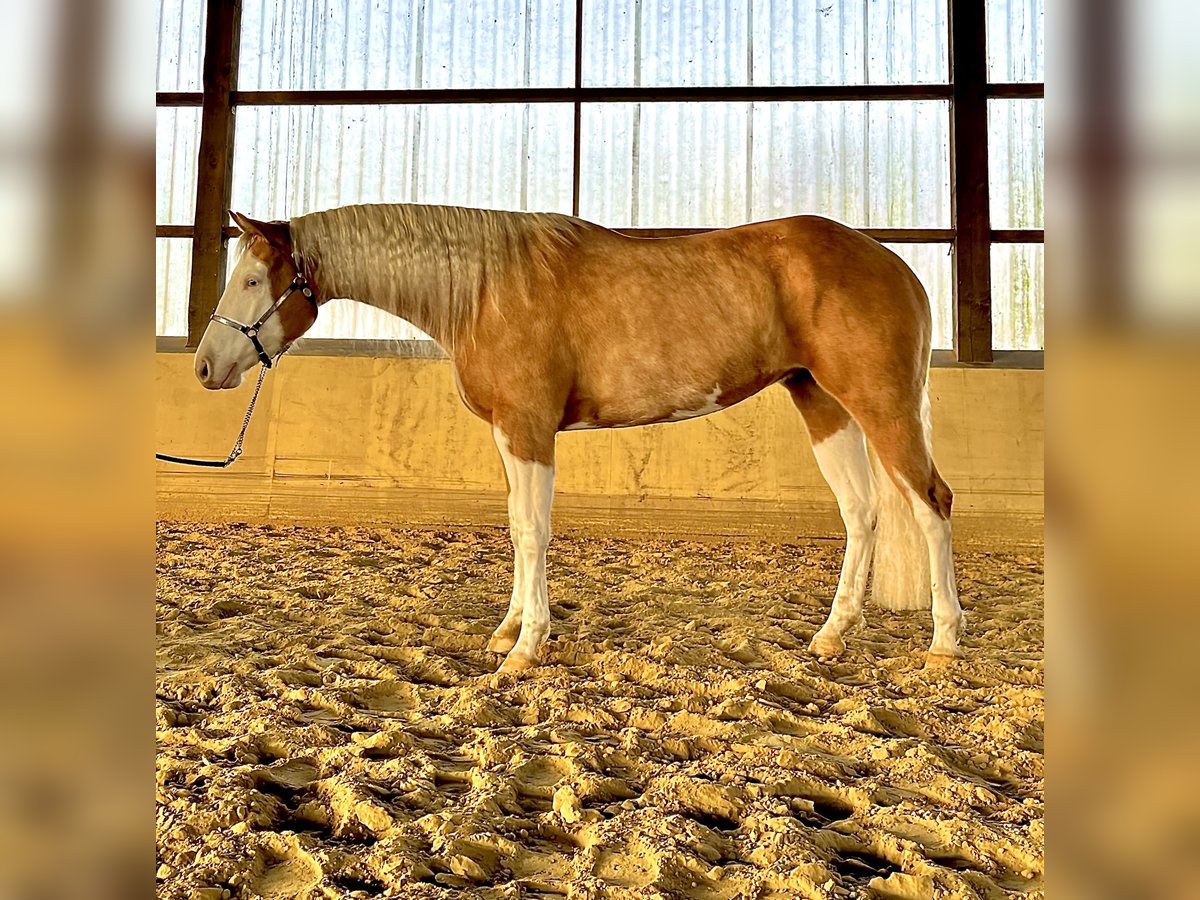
(225, 354)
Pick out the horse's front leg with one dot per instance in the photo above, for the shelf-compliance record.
(529, 465)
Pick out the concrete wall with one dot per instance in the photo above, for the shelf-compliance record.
(387, 441)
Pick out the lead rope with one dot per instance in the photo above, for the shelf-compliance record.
(237, 445)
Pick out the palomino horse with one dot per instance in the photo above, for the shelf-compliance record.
(553, 323)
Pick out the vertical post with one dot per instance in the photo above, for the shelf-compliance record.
(969, 202)
(577, 139)
(1103, 153)
(214, 177)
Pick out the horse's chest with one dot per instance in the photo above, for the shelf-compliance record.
(472, 399)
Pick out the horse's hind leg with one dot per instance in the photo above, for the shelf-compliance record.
(841, 452)
(902, 442)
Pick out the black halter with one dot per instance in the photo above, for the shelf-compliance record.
(251, 331)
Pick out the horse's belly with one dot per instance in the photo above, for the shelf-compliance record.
(674, 404)
(647, 416)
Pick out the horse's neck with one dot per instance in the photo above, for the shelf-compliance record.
(345, 258)
(393, 293)
(393, 300)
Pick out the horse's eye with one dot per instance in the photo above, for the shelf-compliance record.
(252, 282)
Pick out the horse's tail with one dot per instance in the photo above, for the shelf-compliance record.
(901, 571)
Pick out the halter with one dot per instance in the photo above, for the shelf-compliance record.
(251, 331)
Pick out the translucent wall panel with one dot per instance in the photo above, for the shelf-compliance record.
(1017, 148)
(1015, 40)
(347, 319)
(931, 262)
(665, 164)
(877, 164)
(1018, 290)
(172, 280)
(293, 160)
(176, 148)
(356, 44)
(715, 42)
(181, 44)
(290, 160)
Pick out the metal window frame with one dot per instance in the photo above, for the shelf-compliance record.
(970, 236)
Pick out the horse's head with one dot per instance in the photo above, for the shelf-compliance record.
(263, 284)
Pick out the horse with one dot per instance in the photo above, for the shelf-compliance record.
(555, 324)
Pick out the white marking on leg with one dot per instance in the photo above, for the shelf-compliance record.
(505, 635)
(530, 495)
(842, 458)
(947, 613)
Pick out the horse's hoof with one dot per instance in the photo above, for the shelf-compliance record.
(515, 662)
(827, 646)
(939, 660)
(500, 644)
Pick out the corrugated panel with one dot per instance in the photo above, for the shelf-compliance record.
(289, 160)
(868, 164)
(172, 276)
(304, 44)
(1016, 150)
(1018, 286)
(719, 42)
(1016, 35)
(176, 149)
(931, 262)
(1016, 40)
(180, 44)
(1017, 161)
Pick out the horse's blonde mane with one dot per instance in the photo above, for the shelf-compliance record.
(427, 264)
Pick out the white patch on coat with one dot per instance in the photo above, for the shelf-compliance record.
(709, 406)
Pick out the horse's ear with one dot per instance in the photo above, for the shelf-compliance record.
(278, 234)
(245, 223)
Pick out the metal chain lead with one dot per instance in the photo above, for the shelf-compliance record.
(299, 283)
(237, 445)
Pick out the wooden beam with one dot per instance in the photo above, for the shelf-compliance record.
(969, 201)
(735, 93)
(1018, 235)
(1018, 90)
(214, 181)
(179, 98)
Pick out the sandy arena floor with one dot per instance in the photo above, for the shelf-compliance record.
(328, 725)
